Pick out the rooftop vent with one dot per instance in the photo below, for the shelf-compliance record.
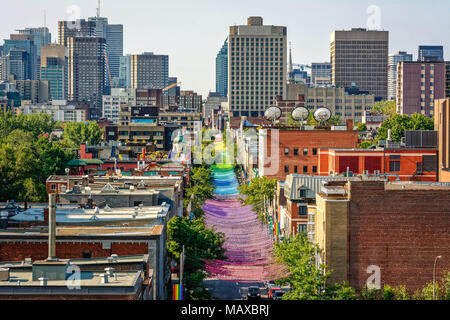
(43, 282)
(4, 274)
(104, 278)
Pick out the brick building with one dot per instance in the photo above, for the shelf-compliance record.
(405, 164)
(298, 150)
(399, 227)
(442, 125)
(92, 242)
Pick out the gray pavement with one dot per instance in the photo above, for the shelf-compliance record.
(227, 290)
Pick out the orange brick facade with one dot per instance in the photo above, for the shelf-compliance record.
(299, 150)
(401, 231)
(337, 161)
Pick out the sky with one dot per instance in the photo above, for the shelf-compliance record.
(192, 32)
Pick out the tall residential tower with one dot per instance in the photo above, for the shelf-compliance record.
(257, 56)
(360, 56)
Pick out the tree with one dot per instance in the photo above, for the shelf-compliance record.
(201, 189)
(76, 133)
(37, 124)
(398, 124)
(258, 189)
(26, 163)
(307, 281)
(361, 127)
(200, 243)
(387, 108)
(365, 145)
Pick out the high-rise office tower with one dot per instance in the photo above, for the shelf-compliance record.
(41, 37)
(447, 79)
(172, 96)
(78, 28)
(321, 74)
(25, 43)
(419, 84)
(257, 59)
(431, 54)
(392, 72)
(53, 70)
(113, 33)
(16, 64)
(125, 72)
(149, 71)
(222, 70)
(86, 71)
(360, 56)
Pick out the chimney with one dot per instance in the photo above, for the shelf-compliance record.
(104, 277)
(52, 228)
(350, 125)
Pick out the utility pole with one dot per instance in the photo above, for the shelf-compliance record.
(181, 266)
(434, 276)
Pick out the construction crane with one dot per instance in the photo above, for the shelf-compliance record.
(109, 71)
(171, 86)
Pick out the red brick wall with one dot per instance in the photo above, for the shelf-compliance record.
(18, 251)
(401, 231)
(297, 139)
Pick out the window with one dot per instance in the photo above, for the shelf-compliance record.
(286, 151)
(305, 169)
(394, 166)
(305, 152)
(302, 193)
(53, 186)
(302, 228)
(295, 152)
(295, 169)
(286, 169)
(314, 151)
(314, 169)
(302, 211)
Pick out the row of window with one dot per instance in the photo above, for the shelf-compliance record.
(287, 169)
(296, 151)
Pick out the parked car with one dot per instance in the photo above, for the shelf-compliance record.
(272, 291)
(253, 293)
(277, 295)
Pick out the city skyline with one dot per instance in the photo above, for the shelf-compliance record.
(192, 59)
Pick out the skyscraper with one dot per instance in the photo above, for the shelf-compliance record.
(113, 33)
(53, 70)
(419, 85)
(15, 63)
(125, 71)
(392, 72)
(257, 56)
(431, 54)
(149, 71)
(41, 37)
(222, 70)
(86, 71)
(25, 43)
(78, 28)
(360, 56)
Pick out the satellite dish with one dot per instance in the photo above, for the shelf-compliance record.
(300, 114)
(273, 114)
(322, 115)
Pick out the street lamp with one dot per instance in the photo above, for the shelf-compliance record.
(434, 276)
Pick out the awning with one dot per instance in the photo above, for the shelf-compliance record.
(76, 163)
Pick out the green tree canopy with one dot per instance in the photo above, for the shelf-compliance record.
(387, 108)
(401, 123)
(307, 279)
(37, 124)
(76, 133)
(255, 192)
(201, 244)
(26, 163)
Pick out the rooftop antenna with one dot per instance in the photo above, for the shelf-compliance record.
(290, 58)
(98, 9)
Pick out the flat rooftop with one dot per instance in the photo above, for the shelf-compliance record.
(88, 279)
